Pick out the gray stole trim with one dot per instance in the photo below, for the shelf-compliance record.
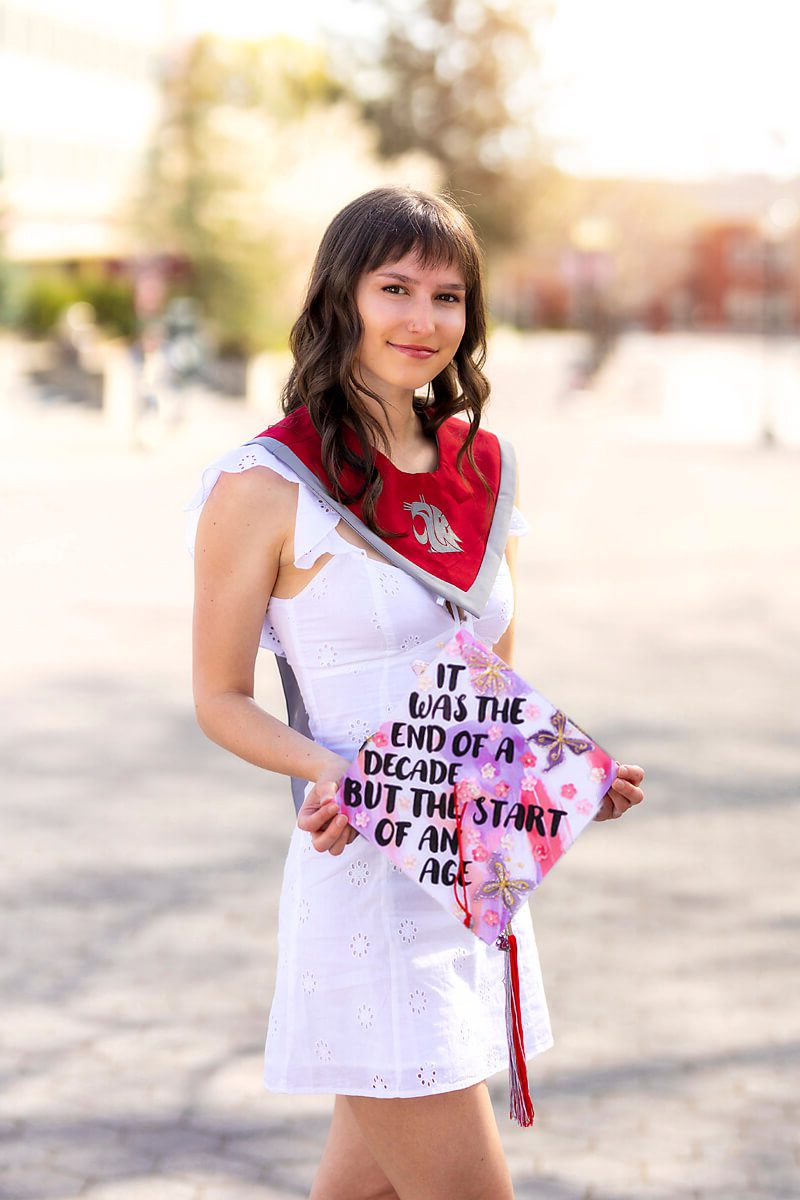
(298, 719)
(473, 600)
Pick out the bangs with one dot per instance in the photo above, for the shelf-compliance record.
(425, 230)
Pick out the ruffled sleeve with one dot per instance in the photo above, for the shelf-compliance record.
(315, 522)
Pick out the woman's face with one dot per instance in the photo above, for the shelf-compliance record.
(403, 305)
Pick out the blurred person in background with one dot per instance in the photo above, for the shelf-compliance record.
(171, 355)
(381, 997)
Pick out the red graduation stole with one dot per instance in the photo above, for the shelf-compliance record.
(452, 534)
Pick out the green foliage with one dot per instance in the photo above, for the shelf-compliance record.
(43, 297)
(112, 300)
(278, 75)
(7, 304)
(39, 297)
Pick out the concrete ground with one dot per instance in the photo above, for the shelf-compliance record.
(659, 601)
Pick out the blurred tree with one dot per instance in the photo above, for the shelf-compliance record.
(457, 79)
(195, 201)
(6, 301)
(257, 147)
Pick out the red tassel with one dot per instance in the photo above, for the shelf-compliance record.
(521, 1105)
(462, 900)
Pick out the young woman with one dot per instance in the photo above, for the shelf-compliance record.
(351, 539)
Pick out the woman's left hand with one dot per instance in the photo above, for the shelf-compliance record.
(624, 792)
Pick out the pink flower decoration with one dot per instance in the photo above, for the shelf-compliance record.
(491, 918)
(501, 789)
(480, 853)
(466, 790)
(530, 711)
(362, 820)
(495, 733)
(598, 774)
(488, 771)
(583, 806)
(528, 759)
(379, 739)
(568, 791)
(541, 852)
(528, 785)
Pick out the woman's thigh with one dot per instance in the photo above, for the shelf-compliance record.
(435, 1147)
(348, 1170)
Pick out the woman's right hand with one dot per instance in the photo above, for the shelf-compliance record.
(319, 813)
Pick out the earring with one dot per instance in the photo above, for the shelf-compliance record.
(428, 396)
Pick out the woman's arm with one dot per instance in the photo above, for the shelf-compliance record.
(504, 648)
(243, 535)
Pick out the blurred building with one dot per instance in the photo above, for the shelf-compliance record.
(79, 97)
(731, 263)
(743, 279)
(738, 268)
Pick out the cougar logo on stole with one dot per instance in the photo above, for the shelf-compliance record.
(435, 528)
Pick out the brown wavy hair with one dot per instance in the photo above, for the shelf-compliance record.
(375, 229)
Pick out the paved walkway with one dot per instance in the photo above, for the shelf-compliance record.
(658, 601)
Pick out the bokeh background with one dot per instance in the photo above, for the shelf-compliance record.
(166, 172)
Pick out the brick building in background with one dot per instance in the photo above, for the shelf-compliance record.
(733, 265)
(743, 279)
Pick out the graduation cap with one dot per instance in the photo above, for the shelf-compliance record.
(475, 786)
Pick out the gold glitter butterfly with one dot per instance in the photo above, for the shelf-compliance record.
(511, 891)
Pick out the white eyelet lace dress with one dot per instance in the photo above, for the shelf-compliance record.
(379, 990)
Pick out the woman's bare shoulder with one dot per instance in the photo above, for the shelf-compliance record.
(256, 499)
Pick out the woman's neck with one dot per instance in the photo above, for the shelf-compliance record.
(408, 446)
(399, 421)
